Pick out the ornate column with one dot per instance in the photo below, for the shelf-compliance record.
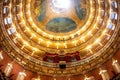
(8, 69)
(116, 66)
(104, 74)
(21, 75)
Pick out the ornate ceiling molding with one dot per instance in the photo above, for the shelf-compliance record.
(26, 39)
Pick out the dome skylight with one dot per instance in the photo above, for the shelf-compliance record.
(60, 5)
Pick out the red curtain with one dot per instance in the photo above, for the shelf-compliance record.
(45, 58)
(68, 58)
(56, 59)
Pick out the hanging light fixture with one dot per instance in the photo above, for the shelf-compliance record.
(116, 66)
(8, 69)
(1, 57)
(21, 75)
(104, 74)
(38, 78)
(89, 78)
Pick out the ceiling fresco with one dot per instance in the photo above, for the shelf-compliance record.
(58, 18)
(39, 34)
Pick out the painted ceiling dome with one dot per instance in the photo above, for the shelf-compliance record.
(43, 33)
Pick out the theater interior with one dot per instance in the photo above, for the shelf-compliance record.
(59, 39)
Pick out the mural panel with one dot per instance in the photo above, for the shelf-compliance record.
(61, 25)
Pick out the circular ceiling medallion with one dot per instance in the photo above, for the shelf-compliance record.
(44, 11)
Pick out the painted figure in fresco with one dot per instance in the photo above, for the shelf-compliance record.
(40, 9)
(80, 10)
